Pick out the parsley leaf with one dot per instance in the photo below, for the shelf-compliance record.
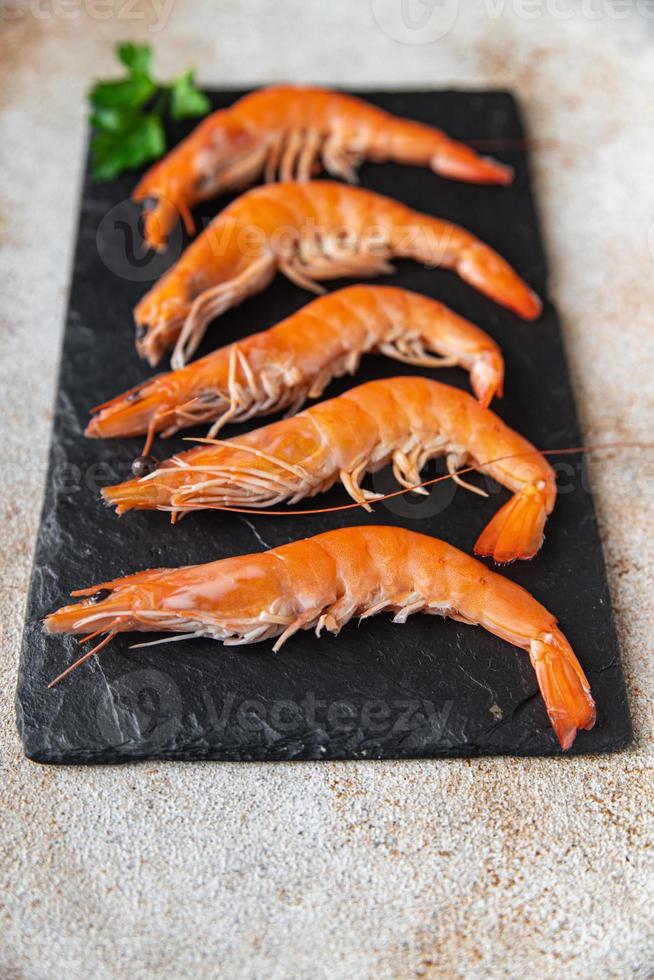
(131, 93)
(185, 98)
(127, 114)
(136, 57)
(111, 119)
(139, 139)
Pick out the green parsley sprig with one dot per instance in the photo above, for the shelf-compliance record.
(127, 114)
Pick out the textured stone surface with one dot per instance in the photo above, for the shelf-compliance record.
(491, 867)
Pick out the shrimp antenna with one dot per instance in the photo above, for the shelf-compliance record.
(89, 653)
(454, 475)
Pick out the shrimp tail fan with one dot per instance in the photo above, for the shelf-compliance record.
(564, 686)
(516, 531)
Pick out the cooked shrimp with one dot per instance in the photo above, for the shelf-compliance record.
(296, 360)
(406, 421)
(281, 133)
(322, 583)
(320, 230)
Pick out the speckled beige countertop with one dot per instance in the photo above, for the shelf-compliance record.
(494, 867)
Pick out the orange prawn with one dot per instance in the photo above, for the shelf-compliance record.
(406, 421)
(309, 232)
(281, 367)
(322, 583)
(281, 133)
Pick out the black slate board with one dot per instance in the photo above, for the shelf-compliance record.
(430, 688)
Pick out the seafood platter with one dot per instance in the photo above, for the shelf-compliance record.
(315, 488)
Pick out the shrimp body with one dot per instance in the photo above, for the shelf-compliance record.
(296, 359)
(282, 133)
(309, 232)
(323, 582)
(405, 421)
